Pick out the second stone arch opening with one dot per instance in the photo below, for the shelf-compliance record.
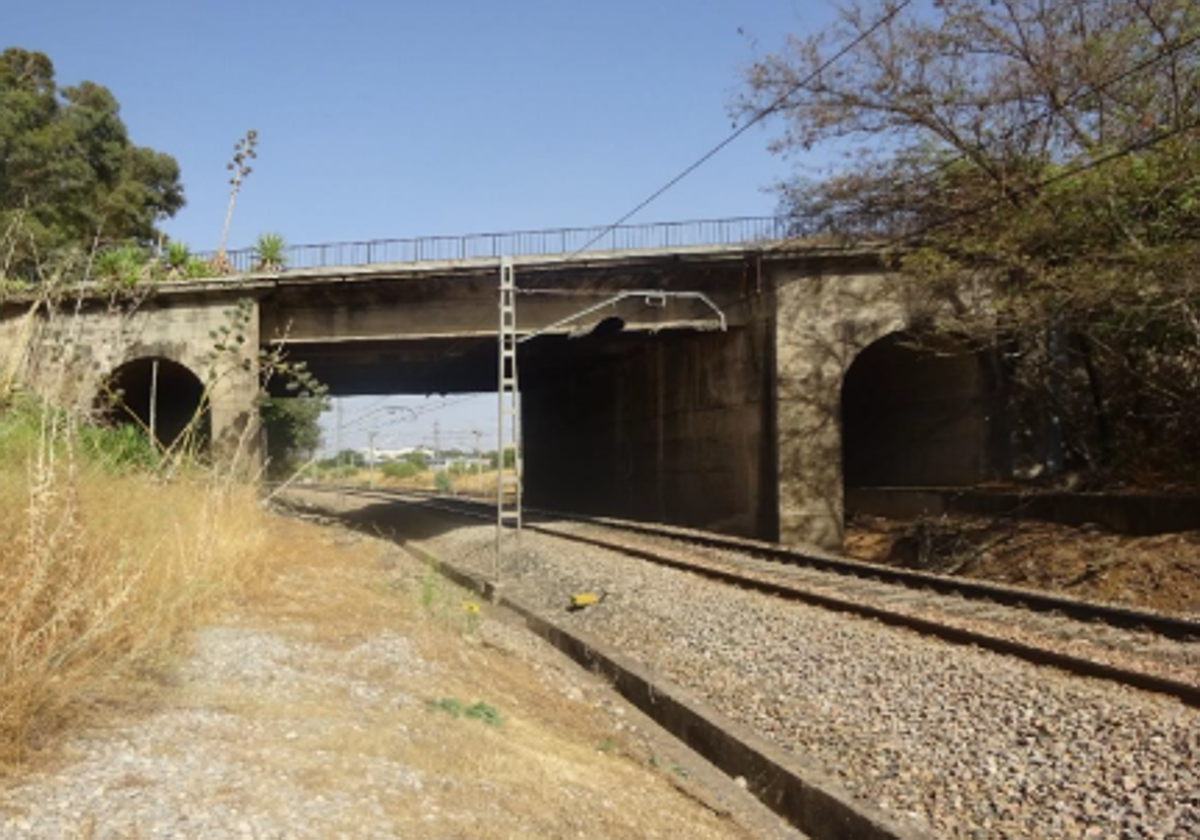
(922, 411)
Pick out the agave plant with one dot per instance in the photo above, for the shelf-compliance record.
(178, 255)
(269, 252)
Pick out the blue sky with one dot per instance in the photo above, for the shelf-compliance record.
(404, 119)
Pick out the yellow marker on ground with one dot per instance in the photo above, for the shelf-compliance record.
(586, 599)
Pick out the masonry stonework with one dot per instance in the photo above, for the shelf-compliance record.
(826, 314)
(69, 356)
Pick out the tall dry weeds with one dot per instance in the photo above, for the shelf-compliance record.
(101, 575)
(102, 571)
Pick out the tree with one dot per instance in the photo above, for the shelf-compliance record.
(293, 432)
(292, 423)
(400, 469)
(417, 459)
(351, 458)
(1001, 90)
(68, 170)
(1049, 147)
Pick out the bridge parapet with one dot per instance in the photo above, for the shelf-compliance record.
(568, 241)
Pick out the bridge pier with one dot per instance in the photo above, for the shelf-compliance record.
(819, 328)
(924, 419)
(234, 390)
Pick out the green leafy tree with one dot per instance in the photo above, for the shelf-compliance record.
(1050, 148)
(510, 459)
(400, 469)
(293, 432)
(418, 459)
(68, 170)
(291, 422)
(350, 458)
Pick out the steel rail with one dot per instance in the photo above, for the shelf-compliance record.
(1188, 693)
(1126, 618)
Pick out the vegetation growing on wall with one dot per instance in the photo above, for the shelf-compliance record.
(270, 252)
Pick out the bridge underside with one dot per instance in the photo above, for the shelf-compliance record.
(451, 365)
(747, 431)
(669, 426)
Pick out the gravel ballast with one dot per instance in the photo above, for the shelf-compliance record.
(958, 741)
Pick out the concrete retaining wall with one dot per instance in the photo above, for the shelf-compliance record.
(67, 356)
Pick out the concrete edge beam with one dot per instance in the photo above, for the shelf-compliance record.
(803, 795)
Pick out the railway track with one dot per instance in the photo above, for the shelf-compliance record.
(1140, 649)
(847, 727)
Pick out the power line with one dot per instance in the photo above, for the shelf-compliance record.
(758, 117)
(359, 419)
(413, 413)
(373, 408)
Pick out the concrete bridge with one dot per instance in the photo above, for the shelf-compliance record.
(755, 430)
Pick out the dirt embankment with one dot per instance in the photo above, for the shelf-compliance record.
(1160, 572)
(358, 693)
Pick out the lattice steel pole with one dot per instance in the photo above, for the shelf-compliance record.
(508, 439)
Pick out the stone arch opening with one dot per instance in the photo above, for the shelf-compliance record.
(156, 394)
(918, 413)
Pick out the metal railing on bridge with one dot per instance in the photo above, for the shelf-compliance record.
(742, 230)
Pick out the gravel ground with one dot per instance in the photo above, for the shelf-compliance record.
(961, 742)
(201, 771)
(320, 713)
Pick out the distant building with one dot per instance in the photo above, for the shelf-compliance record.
(397, 454)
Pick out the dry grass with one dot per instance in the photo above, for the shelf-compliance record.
(553, 767)
(468, 483)
(100, 573)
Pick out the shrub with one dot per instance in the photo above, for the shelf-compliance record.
(178, 256)
(270, 252)
(197, 269)
(400, 469)
(120, 448)
(123, 266)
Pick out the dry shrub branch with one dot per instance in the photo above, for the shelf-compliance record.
(101, 573)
